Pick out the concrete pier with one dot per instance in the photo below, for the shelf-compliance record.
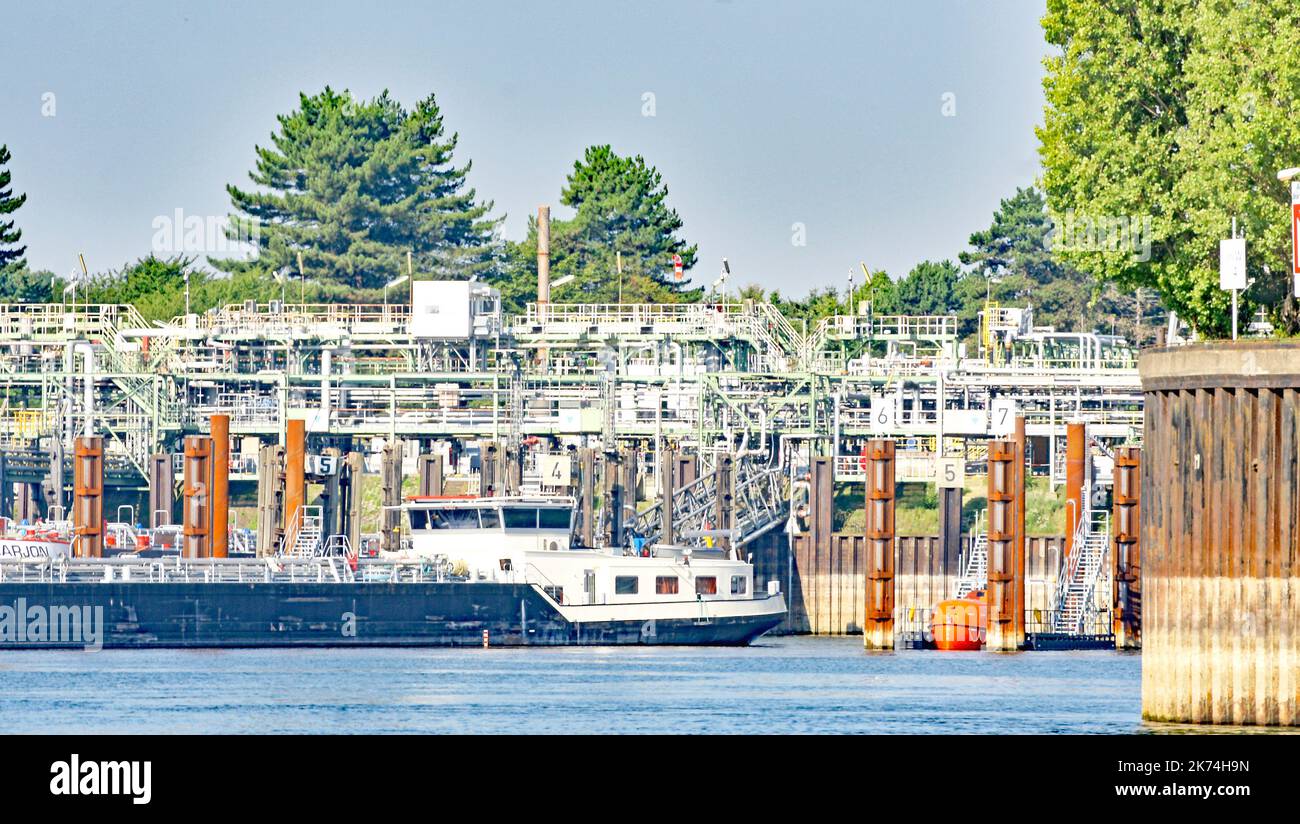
(1219, 534)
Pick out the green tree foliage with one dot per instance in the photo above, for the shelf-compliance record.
(620, 209)
(1164, 119)
(353, 185)
(930, 289)
(11, 255)
(22, 285)
(156, 287)
(1014, 253)
(804, 313)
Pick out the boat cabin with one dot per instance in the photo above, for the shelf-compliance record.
(515, 523)
(528, 540)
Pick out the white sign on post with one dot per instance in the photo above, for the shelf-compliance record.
(1232, 264)
(950, 473)
(884, 414)
(1002, 417)
(322, 464)
(1295, 234)
(556, 470)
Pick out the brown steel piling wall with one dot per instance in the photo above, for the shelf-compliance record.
(88, 496)
(826, 588)
(220, 428)
(878, 632)
(1126, 552)
(1220, 532)
(1042, 567)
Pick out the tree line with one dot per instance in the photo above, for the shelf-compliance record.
(1163, 121)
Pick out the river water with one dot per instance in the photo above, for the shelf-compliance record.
(780, 685)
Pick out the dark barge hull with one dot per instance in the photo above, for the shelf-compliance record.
(282, 614)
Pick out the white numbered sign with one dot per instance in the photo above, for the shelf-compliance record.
(556, 470)
(1002, 417)
(950, 473)
(884, 414)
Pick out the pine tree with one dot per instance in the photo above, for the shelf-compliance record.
(11, 255)
(1015, 252)
(620, 212)
(353, 186)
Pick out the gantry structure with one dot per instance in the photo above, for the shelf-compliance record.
(734, 378)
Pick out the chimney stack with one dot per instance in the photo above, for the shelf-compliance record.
(543, 258)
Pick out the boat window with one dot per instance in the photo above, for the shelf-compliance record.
(517, 518)
(706, 585)
(553, 518)
(738, 584)
(666, 585)
(419, 518)
(453, 519)
(556, 593)
(491, 518)
(626, 585)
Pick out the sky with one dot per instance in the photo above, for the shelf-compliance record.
(795, 138)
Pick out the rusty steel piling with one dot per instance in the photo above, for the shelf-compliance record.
(220, 429)
(878, 633)
(1220, 533)
(196, 511)
(1126, 554)
(88, 497)
(1006, 614)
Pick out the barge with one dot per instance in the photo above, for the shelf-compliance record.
(473, 572)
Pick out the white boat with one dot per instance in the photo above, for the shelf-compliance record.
(671, 594)
(46, 539)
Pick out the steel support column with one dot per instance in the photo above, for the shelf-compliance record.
(162, 487)
(295, 470)
(196, 510)
(88, 497)
(667, 480)
(1126, 553)
(878, 632)
(724, 482)
(429, 470)
(220, 429)
(587, 496)
(1076, 453)
(1005, 569)
(1021, 485)
(391, 495)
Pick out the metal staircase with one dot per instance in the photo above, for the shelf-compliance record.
(975, 575)
(303, 537)
(758, 504)
(1081, 573)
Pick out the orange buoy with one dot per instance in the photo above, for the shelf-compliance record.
(959, 623)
